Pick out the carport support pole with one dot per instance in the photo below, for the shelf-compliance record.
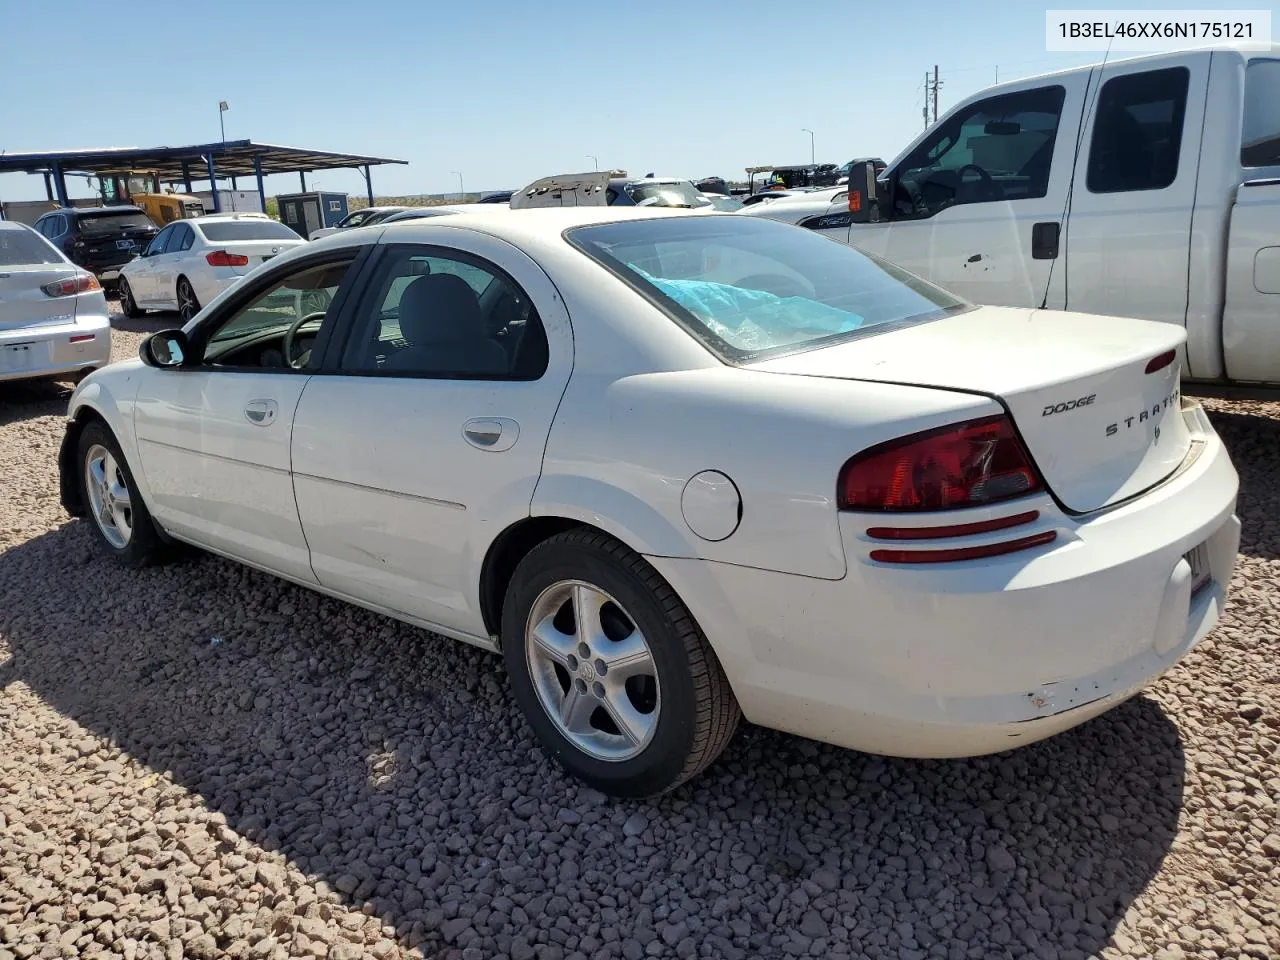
(262, 190)
(213, 183)
(186, 175)
(368, 183)
(60, 184)
(302, 178)
(48, 187)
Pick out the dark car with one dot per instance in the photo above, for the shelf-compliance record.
(99, 239)
(498, 196)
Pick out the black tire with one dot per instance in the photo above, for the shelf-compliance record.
(144, 546)
(127, 303)
(188, 302)
(698, 715)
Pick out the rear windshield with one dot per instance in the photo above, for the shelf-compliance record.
(99, 223)
(19, 247)
(665, 195)
(1260, 137)
(750, 288)
(222, 231)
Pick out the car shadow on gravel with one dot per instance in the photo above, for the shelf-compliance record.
(29, 399)
(1254, 443)
(391, 766)
(147, 323)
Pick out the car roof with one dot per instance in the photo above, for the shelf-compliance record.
(95, 211)
(234, 215)
(542, 223)
(13, 225)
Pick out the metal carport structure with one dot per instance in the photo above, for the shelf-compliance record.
(202, 161)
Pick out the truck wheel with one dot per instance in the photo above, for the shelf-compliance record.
(610, 669)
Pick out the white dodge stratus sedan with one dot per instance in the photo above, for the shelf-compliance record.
(680, 468)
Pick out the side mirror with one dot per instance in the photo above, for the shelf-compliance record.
(166, 349)
(864, 200)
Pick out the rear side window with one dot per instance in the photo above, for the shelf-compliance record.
(1260, 135)
(1137, 135)
(19, 247)
(96, 225)
(228, 230)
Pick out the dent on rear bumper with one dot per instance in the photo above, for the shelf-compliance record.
(966, 659)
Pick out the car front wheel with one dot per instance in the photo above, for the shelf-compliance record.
(611, 670)
(127, 303)
(112, 503)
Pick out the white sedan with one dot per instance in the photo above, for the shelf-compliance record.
(53, 315)
(190, 262)
(680, 468)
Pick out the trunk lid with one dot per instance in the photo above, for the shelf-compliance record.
(258, 251)
(1099, 427)
(24, 304)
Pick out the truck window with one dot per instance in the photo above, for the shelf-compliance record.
(1000, 148)
(1260, 135)
(1137, 134)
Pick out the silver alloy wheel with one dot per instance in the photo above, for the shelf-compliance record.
(126, 297)
(593, 670)
(187, 305)
(109, 499)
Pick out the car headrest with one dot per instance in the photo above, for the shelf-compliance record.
(440, 308)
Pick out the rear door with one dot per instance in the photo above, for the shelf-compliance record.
(427, 440)
(978, 204)
(1130, 231)
(166, 267)
(27, 262)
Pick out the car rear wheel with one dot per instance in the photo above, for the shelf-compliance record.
(610, 669)
(120, 519)
(188, 305)
(127, 303)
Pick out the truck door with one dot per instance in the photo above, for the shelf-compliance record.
(1129, 231)
(977, 204)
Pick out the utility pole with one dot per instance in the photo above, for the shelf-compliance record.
(935, 93)
(926, 99)
(812, 155)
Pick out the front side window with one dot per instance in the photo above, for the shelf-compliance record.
(1000, 148)
(432, 312)
(750, 288)
(159, 242)
(1260, 132)
(1137, 135)
(278, 326)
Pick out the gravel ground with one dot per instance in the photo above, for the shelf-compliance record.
(202, 761)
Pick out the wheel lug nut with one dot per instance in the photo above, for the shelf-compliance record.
(601, 667)
(598, 689)
(573, 662)
(581, 685)
(584, 651)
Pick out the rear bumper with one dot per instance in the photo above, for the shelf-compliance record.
(48, 351)
(962, 659)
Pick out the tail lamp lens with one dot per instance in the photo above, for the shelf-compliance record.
(967, 465)
(220, 258)
(80, 283)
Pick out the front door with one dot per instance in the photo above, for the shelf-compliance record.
(213, 436)
(142, 275)
(428, 440)
(978, 204)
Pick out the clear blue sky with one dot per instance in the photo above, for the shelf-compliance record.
(505, 90)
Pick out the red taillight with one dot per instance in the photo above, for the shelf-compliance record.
(966, 465)
(953, 530)
(855, 201)
(954, 554)
(81, 337)
(220, 258)
(1162, 361)
(80, 283)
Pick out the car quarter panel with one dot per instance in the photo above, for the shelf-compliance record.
(648, 408)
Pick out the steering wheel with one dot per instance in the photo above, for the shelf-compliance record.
(984, 178)
(292, 332)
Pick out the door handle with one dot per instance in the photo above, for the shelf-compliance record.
(260, 412)
(1044, 240)
(491, 433)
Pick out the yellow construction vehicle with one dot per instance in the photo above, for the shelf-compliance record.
(167, 207)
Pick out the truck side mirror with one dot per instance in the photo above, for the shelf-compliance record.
(864, 202)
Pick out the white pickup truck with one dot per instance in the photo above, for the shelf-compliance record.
(1146, 187)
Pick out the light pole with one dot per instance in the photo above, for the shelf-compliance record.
(223, 107)
(462, 194)
(811, 151)
(595, 161)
